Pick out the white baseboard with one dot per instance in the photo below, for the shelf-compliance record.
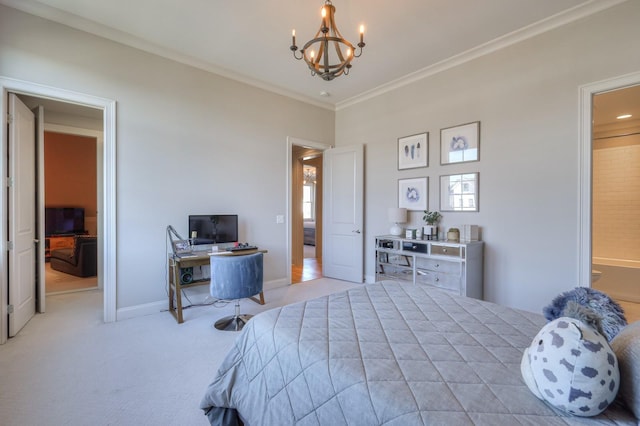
(270, 285)
(141, 310)
(196, 294)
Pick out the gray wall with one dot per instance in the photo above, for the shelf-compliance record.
(188, 142)
(527, 99)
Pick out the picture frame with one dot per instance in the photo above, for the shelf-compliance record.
(460, 192)
(413, 194)
(413, 151)
(460, 144)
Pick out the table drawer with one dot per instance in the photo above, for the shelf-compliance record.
(444, 281)
(439, 265)
(442, 250)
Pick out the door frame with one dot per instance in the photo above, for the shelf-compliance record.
(106, 203)
(291, 141)
(586, 167)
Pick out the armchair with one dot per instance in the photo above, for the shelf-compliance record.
(81, 260)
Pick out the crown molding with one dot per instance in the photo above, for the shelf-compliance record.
(36, 8)
(530, 31)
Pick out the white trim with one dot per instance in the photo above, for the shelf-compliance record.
(530, 31)
(291, 141)
(161, 305)
(98, 29)
(92, 27)
(585, 154)
(71, 130)
(141, 310)
(108, 218)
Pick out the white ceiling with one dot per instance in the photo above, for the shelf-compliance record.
(249, 39)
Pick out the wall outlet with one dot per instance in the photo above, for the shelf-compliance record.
(280, 218)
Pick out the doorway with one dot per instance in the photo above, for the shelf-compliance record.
(303, 154)
(610, 158)
(306, 196)
(615, 242)
(106, 224)
(70, 200)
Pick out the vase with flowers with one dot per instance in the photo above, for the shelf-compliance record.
(430, 230)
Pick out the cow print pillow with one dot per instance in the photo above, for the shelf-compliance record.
(572, 367)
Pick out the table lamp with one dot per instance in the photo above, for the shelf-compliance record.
(397, 216)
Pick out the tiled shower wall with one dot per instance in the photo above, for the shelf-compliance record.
(616, 198)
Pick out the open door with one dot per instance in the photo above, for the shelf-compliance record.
(22, 215)
(343, 213)
(40, 276)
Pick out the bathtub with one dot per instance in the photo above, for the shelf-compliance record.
(620, 278)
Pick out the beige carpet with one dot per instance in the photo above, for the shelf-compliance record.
(59, 282)
(67, 367)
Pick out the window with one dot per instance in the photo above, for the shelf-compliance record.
(308, 201)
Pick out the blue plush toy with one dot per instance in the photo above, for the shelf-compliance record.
(594, 308)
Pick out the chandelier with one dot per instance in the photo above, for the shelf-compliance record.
(309, 175)
(328, 54)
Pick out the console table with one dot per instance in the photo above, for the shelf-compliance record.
(194, 260)
(450, 266)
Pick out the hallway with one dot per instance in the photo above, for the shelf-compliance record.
(311, 268)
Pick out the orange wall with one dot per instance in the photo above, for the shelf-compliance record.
(70, 172)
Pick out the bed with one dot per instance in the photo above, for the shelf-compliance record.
(385, 353)
(309, 233)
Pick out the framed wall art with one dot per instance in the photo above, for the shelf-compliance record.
(459, 193)
(413, 151)
(413, 193)
(460, 144)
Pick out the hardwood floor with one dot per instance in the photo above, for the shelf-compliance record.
(310, 270)
(631, 310)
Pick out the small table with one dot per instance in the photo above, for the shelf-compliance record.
(193, 260)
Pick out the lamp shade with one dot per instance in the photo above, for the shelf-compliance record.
(397, 215)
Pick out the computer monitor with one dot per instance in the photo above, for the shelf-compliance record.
(213, 228)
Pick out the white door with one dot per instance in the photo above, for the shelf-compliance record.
(22, 218)
(342, 254)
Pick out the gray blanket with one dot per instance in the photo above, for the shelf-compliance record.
(386, 353)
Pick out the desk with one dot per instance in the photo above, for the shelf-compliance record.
(198, 259)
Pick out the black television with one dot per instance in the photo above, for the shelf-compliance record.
(63, 221)
(213, 228)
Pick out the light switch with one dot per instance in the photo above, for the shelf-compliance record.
(280, 218)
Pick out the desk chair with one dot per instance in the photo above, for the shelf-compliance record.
(235, 277)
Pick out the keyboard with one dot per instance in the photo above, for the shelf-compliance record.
(241, 248)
